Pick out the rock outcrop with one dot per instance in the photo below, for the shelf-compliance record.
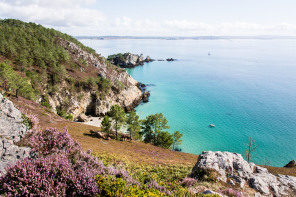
(128, 60)
(291, 164)
(11, 130)
(124, 90)
(145, 96)
(232, 168)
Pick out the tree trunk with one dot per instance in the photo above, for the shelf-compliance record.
(16, 93)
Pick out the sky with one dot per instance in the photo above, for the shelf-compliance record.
(158, 17)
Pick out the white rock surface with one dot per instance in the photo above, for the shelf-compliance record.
(231, 167)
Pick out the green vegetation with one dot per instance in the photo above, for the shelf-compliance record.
(63, 114)
(149, 130)
(31, 44)
(177, 139)
(153, 132)
(134, 126)
(11, 81)
(153, 180)
(120, 56)
(45, 102)
(38, 62)
(118, 117)
(106, 125)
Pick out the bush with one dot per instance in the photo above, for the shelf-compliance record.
(45, 102)
(187, 182)
(63, 114)
(50, 176)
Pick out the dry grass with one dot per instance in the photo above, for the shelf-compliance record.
(281, 170)
(133, 151)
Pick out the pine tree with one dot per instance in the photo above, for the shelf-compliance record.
(106, 125)
(152, 126)
(118, 117)
(177, 139)
(134, 126)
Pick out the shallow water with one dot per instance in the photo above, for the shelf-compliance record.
(244, 87)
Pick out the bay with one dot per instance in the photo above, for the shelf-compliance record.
(244, 87)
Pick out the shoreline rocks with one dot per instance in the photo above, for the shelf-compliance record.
(232, 168)
(145, 94)
(170, 59)
(128, 60)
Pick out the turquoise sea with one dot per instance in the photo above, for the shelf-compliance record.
(244, 87)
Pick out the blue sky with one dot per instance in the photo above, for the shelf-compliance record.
(158, 17)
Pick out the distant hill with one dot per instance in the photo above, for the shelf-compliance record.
(264, 37)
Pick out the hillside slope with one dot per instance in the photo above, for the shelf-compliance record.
(61, 73)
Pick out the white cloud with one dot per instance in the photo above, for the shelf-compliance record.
(54, 12)
(128, 26)
(71, 15)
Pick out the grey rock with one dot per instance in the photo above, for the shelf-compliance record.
(258, 184)
(82, 118)
(233, 168)
(12, 130)
(211, 192)
(145, 96)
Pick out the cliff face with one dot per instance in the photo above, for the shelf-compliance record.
(124, 90)
(11, 130)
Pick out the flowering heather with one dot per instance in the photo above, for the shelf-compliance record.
(187, 182)
(59, 167)
(50, 176)
(231, 192)
(50, 141)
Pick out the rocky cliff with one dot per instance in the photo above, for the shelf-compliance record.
(232, 168)
(12, 130)
(61, 73)
(124, 89)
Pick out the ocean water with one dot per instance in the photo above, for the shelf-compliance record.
(244, 87)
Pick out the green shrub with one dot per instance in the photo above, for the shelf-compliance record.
(63, 114)
(45, 102)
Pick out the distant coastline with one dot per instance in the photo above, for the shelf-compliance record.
(264, 37)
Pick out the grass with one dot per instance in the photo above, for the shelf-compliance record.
(131, 151)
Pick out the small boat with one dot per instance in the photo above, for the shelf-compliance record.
(212, 125)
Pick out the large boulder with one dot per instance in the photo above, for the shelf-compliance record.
(232, 168)
(12, 130)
